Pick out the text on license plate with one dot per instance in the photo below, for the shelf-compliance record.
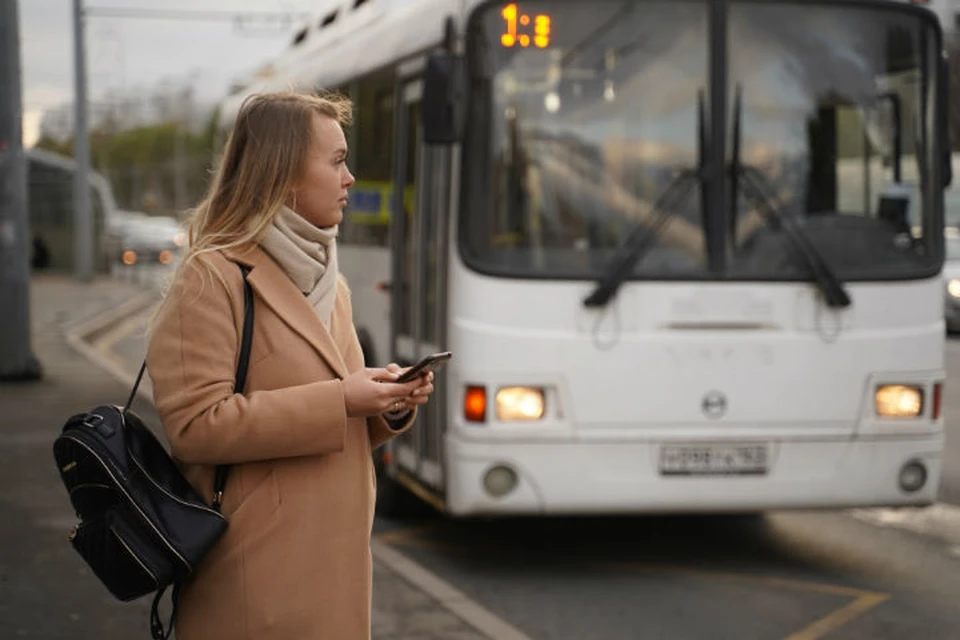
(713, 460)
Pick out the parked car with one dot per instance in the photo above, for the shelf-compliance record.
(135, 238)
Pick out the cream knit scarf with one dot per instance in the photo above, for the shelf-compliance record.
(308, 255)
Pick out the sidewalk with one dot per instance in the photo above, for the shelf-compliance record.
(45, 589)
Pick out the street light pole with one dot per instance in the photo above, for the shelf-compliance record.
(82, 216)
(17, 361)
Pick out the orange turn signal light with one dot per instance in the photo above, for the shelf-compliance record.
(475, 404)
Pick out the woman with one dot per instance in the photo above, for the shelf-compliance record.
(295, 559)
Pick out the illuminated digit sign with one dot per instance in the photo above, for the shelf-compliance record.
(517, 28)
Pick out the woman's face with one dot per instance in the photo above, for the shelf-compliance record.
(321, 191)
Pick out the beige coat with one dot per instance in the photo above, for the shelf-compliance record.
(295, 560)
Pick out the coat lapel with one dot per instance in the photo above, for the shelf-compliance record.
(269, 281)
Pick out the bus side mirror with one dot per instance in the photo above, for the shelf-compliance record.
(943, 116)
(442, 106)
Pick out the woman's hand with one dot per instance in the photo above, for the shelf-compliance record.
(420, 395)
(370, 392)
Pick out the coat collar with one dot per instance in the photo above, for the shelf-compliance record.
(269, 281)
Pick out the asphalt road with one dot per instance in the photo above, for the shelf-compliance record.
(796, 576)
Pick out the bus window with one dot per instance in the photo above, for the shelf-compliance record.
(833, 124)
(367, 218)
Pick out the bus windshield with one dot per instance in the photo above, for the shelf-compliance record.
(581, 114)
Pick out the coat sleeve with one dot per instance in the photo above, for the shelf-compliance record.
(381, 430)
(191, 358)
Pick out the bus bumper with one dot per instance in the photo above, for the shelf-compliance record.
(625, 477)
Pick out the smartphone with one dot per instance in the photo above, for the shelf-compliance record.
(430, 363)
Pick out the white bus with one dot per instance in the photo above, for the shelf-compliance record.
(686, 253)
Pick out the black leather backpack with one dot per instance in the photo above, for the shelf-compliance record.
(142, 527)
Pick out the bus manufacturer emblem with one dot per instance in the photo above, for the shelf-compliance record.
(714, 405)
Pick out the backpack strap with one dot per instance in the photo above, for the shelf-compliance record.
(157, 631)
(133, 392)
(243, 363)
(220, 477)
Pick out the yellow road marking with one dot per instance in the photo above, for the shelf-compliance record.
(840, 617)
(863, 601)
(785, 583)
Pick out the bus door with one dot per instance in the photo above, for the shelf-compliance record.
(417, 237)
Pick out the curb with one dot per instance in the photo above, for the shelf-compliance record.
(88, 329)
(80, 335)
(448, 597)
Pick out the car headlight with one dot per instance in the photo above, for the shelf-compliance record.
(898, 401)
(180, 239)
(519, 403)
(953, 288)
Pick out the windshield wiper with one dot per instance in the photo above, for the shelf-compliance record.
(826, 279)
(641, 238)
(639, 241)
(755, 187)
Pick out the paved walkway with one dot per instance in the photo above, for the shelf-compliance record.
(45, 589)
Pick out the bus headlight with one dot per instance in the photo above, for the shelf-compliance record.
(129, 257)
(898, 401)
(953, 288)
(519, 403)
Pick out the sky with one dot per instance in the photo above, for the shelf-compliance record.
(129, 56)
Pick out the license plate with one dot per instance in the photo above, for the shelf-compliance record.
(691, 460)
